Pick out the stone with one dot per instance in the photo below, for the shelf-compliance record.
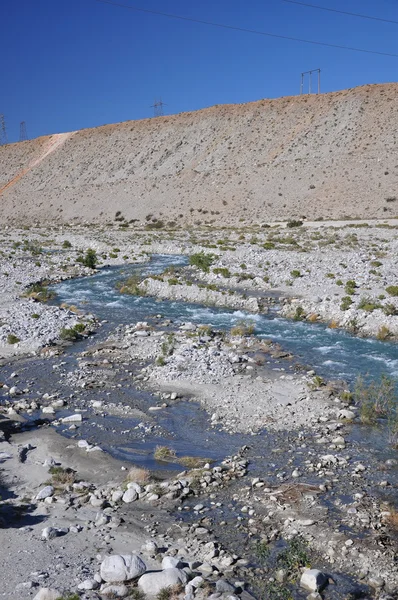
(115, 591)
(122, 567)
(49, 533)
(346, 414)
(47, 594)
(151, 583)
(129, 495)
(224, 586)
(88, 584)
(45, 492)
(117, 495)
(171, 562)
(313, 580)
(77, 418)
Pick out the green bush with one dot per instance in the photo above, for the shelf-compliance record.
(66, 244)
(295, 273)
(375, 399)
(392, 290)
(39, 292)
(202, 261)
(90, 259)
(12, 339)
(350, 287)
(346, 302)
(294, 223)
(368, 304)
(222, 271)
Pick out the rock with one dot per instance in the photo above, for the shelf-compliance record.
(45, 492)
(122, 567)
(117, 495)
(151, 583)
(77, 418)
(48, 410)
(49, 533)
(313, 580)
(224, 586)
(346, 414)
(88, 584)
(47, 594)
(171, 562)
(129, 495)
(115, 591)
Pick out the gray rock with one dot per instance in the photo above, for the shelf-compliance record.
(45, 492)
(151, 583)
(122, 567)
(224, 586)
(77, 418)
(49, 533)
(313, 580)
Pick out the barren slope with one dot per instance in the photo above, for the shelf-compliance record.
(329, 156)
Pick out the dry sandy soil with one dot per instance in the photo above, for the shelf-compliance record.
(330, 156)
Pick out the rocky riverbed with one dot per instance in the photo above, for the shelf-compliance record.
(305, 509)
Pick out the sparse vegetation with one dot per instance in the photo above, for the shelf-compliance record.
(89, 260)
(39, 292)
(392, 290)
(202, 261)
(242, 328)
(12, 339)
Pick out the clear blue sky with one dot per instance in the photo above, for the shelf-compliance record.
(70, 64)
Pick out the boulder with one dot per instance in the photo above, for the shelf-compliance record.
(313, 580)
(171, 562)
(122, 567)
(47, 594)
(130, 495)
(151, 583)
(45, 492)
(115, 591)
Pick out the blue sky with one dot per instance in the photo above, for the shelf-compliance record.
(70, 64)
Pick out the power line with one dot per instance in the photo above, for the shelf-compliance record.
(342, 12)
(244, 30)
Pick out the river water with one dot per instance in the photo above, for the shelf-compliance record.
(333, 353)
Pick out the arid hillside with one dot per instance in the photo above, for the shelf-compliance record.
(328, 156)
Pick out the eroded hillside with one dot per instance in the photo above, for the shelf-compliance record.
(330, 156)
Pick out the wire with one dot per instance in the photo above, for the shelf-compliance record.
(342, 12)
(244, 30)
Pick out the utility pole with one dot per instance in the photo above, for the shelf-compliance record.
(158, 108)
(3, 131)
(309, 73)
(23, 136)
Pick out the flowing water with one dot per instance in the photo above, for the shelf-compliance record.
(333, 353)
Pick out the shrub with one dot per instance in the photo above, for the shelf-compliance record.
(368, 304)
(295, 273)
(299, 314)
(222, 271)
(202, 261)
(66, 244)
(68, 334)
(383, 333)
(164, 453)
(376, 398)
(295, 555)
(39, 292)
(294, 223)
(346, 302)
(90, 259)
(242, 328)
(350, 287)
(392, 290)
(268, 245)
(12, 339)
(390, 310)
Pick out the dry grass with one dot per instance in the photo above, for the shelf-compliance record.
(164, 453)
(138, 475)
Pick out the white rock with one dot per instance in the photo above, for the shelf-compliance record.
(171, 562)
(152, 583)
(47, 594)
(313, 580)
(45, 492)
(88, 584)
(115, 591)
(122, 567)
(130, 495)
(76, 418)
(117, 495)
(48, 410)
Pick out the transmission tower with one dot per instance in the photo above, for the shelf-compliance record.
(309, 73)
(3, 131)
(23, 136)
(158, 108)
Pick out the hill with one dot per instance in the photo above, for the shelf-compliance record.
(329, 156)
